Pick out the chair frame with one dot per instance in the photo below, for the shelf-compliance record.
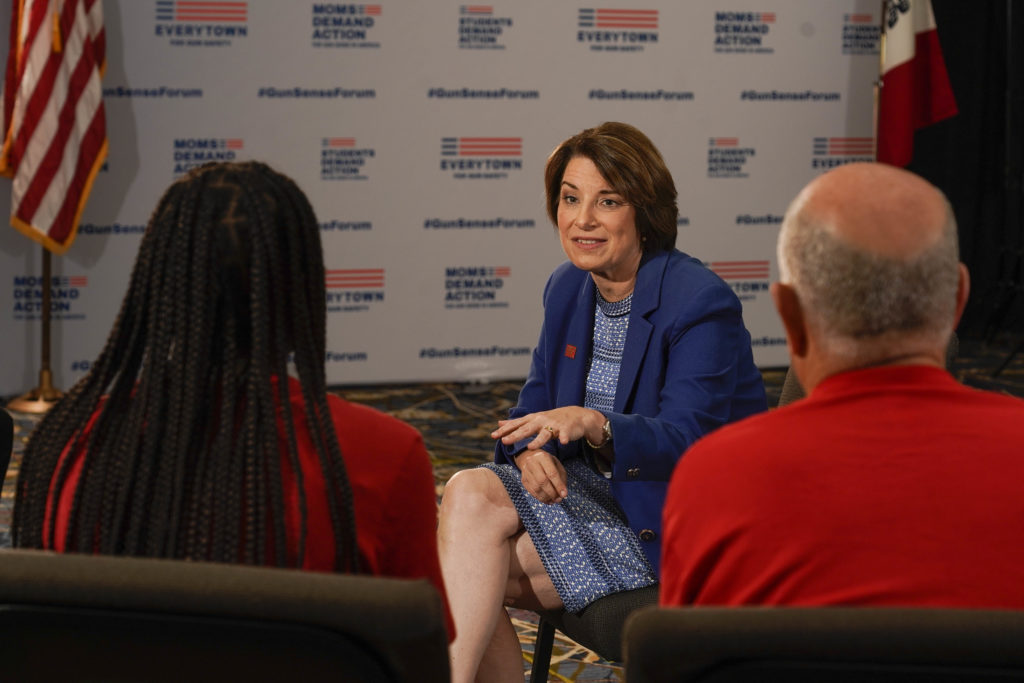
(584, 627)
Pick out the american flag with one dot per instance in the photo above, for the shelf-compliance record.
(55, 136)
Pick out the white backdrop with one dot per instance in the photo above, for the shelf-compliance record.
(419, 131)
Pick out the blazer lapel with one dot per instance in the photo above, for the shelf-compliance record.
(579, 344)
(646, 297)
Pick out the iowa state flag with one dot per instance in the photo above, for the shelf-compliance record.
(915, 87)
(55, 136)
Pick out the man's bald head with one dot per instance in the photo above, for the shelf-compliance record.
(871, 251)
(877, 208)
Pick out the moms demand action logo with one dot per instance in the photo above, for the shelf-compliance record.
(192, 152)
(743, 32)
(475, 287)
(726, 159)
(198, 23)
(746, 278)
(340, 25)
(617, 30)
(479, 29)
(354, 289)
(832, 152)
(489, 158)
(341, 159)
(861, 35)
(64, 295)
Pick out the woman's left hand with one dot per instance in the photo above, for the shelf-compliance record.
(565, 424)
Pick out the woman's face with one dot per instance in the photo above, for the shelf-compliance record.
(598, 228)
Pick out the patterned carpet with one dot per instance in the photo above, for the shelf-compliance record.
(456, 420)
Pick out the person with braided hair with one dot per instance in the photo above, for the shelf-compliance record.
(188, 438)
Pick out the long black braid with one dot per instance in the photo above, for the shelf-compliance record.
(182, 458)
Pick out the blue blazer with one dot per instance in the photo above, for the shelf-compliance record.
(687, 369)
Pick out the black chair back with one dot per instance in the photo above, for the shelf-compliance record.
(116, 619)
(767, 644)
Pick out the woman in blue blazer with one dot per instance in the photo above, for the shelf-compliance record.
(642, 351)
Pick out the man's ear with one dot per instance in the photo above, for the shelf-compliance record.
(787, 303)
(963, 290)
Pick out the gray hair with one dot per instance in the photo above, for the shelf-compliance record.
(852, 296)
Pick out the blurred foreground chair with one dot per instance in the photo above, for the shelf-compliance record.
(598, 627)
(118, 619)
(846, 644)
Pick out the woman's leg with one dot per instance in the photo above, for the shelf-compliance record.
(487, 562)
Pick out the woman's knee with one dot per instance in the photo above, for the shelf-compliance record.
(477, 494)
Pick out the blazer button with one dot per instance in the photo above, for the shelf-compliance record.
(647, 535)
(633, 473)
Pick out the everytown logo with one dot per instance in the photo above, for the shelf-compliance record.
(474, 158)
(475, 287)
(743, 32)
(617, 30)
(479, 29)
(354, 289)
(192, 152)
(337, 25)
(747, 278)
(65, 292)
(831, 152)
(198, 23)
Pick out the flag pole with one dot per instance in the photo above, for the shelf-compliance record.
(878, 82)
(45, 395)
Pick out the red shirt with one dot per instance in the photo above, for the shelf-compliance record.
(393, 494)
(886, 486)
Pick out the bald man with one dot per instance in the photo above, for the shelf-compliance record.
(891, 483)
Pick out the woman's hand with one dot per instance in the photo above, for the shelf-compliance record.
(565, 424)
(543, 476)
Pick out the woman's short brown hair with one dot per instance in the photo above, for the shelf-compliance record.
(633, 166)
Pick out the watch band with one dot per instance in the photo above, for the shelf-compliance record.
(606, 429)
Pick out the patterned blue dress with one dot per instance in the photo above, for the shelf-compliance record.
(584, 541)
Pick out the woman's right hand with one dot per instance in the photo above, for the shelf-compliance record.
(543, 476)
